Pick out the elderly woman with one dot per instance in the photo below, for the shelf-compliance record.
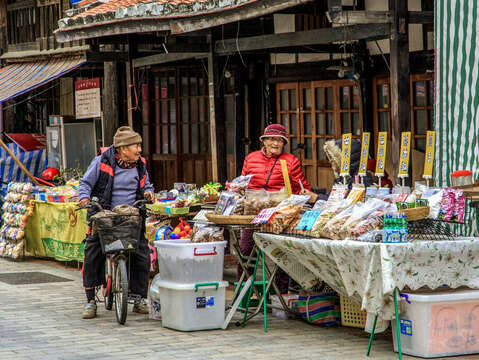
(116, 177)
(265, 165)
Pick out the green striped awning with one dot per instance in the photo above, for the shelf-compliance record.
(19, 78)
(457, 87)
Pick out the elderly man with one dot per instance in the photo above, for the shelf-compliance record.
(116, 177)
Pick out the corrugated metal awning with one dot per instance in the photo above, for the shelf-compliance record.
(19, 78)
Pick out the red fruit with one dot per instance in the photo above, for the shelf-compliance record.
(181, 226)
(187, 228)
(183, 233)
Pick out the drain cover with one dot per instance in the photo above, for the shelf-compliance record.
(35, 277)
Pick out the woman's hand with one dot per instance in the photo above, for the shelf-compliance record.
(149, 196)
(84, 202)
(313, 196)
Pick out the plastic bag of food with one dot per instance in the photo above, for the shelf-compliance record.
(338, 192)
(319, 205)
(333, 226)
(357, 193)
(448, 204)
(207, 234)
(257, 200)
(224, 202)
(328, 213)
(361, 213)
(239, 184)
(294, 200)
(283, 217)
(435, 202)
(371, 236)
(459, 209)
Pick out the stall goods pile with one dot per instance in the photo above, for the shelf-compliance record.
(18, 206)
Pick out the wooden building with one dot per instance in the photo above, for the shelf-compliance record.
(204, 78)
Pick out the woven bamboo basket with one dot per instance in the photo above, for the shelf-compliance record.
(417, 213)
(230, 219)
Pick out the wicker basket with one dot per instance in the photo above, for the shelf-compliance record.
(230, 219)
(417, 213)
(351, 314)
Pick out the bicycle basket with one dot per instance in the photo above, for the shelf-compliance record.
(119, 232)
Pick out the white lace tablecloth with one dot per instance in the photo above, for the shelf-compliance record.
(368, 272)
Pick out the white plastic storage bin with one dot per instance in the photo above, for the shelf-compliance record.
(186, 263)
(439, 324)
(189, 307)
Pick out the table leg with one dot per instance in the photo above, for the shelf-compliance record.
(264, 291)
(250, 292)
(372, 335)
(398, 329)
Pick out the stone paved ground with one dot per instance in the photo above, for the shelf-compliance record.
(42, 321)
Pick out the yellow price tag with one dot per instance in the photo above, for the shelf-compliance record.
(405, 154)
(345, 154)
(363, 162)
(429, 155)
(287, 183)
(381, 154)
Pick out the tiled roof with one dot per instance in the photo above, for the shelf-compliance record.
(92, 11)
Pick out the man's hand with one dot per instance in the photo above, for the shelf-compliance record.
(150, 196)
(84, 202)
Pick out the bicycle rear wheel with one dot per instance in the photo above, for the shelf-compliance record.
(121, 291)
(108, 289)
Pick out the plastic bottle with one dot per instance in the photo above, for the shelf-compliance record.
(404, 228)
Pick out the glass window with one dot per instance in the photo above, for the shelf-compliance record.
(185, 139)
(294, 125)
(171, 87)
(320, 149)
(345, 128)
(284, 121)
(430, 97)
(329, 98)
(201, 86)
(294, 146)
(383, 96)
(421, 124)
(195, 148)
(419, 93)
(284, 101)
(292, 99)
(345, 97)
(185, 110)
(172, 139)
(421, 144)
(356, 98)
(319, 94)
(307, 99)
(184, 86)
(330, 129)
(356, 124)
(308, 149)
(320, 123)
(172, 112)
(383, 121)
(193, 86)
(308, 124)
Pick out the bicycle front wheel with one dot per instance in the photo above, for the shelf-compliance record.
(121, 291)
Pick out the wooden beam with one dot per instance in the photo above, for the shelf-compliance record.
(103, 56)
(377, 17)
(399, 83)
(253, 10)
(217, 114)
(166, 58)
(304, 38)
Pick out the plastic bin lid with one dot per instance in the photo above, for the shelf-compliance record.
(187, 243)
(189, 287)
(157, 243)
(443, 296)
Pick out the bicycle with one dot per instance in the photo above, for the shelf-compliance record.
(119, 235)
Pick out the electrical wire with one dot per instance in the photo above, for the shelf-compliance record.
(237, 44)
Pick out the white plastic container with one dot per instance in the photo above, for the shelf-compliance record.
(439, 324)
(189, 307)
(290, 299)
(183, 262)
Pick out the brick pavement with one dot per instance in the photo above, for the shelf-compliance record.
(43, 321)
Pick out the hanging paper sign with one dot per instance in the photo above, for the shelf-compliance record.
(307, 221)
(264, 216)
(381, 155)
(405, 154)
(363, 162)
(429, 155)
(345, 154)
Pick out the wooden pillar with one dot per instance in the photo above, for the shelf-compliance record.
(217, 114)
(110, 101)
(130, 71)
(145, 115)
(3, 27)
(400, 91)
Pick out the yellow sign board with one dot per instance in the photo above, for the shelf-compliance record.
(363, 162)
(345, 154)
(287, 183)
(429, 155)
(405, 154)
(381, 154)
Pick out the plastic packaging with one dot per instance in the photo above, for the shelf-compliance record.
(257, 200)
(284, 216)
(332, 228)
(357, 193)
(362, 212)
(239, 184)
(207, 234)
(294, 200)
(338, 192)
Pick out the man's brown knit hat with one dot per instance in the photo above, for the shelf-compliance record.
(126, 136)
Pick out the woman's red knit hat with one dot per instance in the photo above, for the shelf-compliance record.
(275, 130)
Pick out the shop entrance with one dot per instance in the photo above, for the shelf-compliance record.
(314, 112)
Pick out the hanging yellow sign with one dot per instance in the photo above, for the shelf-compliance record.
(405, 154)
(429, 155)
(345, 154)
(287, 183)
(363, 162)
(381, 154)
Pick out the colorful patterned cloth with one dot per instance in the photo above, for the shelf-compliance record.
(368, 272)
